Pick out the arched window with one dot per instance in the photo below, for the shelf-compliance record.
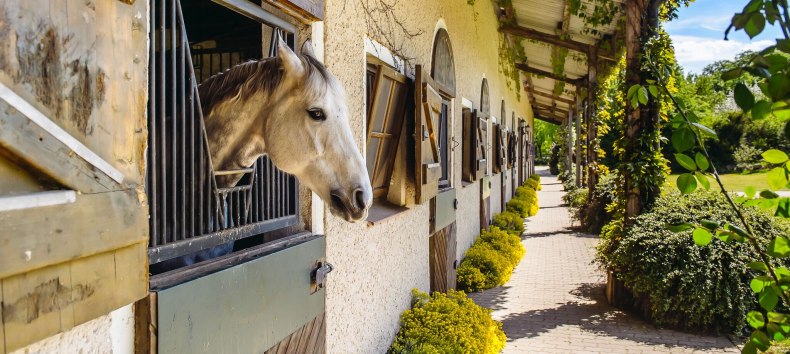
(443, 74)
(442, 65)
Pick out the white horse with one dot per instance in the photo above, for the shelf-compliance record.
(291, 108)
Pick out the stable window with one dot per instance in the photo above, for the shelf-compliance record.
(474, 151)
(443, 75)
(500, 150)
(191, 41)
(388, 92)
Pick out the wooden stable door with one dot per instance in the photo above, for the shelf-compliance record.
(442, 259)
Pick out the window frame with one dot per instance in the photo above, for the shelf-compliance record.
(446, 89)
(383, 69)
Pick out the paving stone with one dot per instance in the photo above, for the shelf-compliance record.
(555, 300)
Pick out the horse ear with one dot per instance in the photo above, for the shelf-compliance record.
(292, 64)
(307, 49)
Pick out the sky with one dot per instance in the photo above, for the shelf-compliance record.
(698, 34)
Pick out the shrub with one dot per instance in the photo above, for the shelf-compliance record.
(576, 200)
(494, 266)
(512, 223)
(519, 206)
(747, 158)
(686, 286)
(490, 261)
(447, 323)
(507, 244)
(532, 183)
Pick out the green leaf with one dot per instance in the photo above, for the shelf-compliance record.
(744, 97)
(759, 283)
(768, 299)
(783, 209)
(702, 237)
(732, 74)
(750, 191)
(749, 348)
(709, 224)
(775, 332)
(761, 109)
(683, 139)
(653, 90)
(704, 129)
(702, 179)
(680, 227)
(642, 95)
(775, 156)
(741, 232)
(686, 161)
(758, 266)
(761, 340)
(768, 194)
(702, 161)
(755, 319)
(779, 247)
(755, 24)
(778, 86)
(632, 91)
(687, 183)
(777, 179)
(776, 317)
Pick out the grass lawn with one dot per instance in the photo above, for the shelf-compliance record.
(734, 182)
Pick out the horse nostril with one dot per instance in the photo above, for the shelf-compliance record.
(337, 201)
(359, 198)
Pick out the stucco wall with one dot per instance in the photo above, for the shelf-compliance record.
(376, 266)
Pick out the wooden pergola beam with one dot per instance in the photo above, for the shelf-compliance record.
(528, 69)
(553, 96)
(552, 39)
(553, 120)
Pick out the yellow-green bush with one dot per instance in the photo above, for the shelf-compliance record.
(490, 261)
(508, 245)
(518, 206)
(532, 183)
(511, 223)
(447, 323)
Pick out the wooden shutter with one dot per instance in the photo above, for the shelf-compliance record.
(500, 149)
(475, 131)
(428, 168)
(511, 149)
(386, 109)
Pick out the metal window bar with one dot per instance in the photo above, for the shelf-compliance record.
(188, 211)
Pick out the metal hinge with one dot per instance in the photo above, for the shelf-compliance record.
(318, 275)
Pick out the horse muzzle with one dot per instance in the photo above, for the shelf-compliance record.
(351, 205)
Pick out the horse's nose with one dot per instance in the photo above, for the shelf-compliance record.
(353, 206)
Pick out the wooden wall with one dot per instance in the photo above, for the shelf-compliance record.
(73, 213)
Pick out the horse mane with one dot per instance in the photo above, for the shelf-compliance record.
(248, 78)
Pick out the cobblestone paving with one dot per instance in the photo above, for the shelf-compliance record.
(555, 300)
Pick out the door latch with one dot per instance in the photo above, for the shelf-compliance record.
(318, 276)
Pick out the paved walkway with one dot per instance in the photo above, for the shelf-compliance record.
(555, 301)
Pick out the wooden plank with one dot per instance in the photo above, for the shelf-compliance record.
(553, 97)
(145, 325)
(93, 224)
(552, 39)
(307, 339)
(46, 301)
(251, 306)
(305, 10)
(46, 153)
(528, 69)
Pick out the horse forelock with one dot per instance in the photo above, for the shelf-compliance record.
(255, 76)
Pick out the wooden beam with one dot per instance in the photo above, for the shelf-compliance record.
(553, 120)
(553, 97)
(552, 39)
(528, 69)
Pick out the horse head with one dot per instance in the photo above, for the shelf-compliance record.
(307, 135)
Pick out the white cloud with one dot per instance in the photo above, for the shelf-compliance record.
(694, 53)
(713, 23)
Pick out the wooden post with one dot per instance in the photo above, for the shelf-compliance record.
(578, 150)
(641, 18)
(592, 128)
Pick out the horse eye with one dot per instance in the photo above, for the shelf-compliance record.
(316, 114)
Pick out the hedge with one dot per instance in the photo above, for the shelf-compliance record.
(686, 286)
(447, 323)
(490, 261)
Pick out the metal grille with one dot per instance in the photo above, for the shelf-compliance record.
(188, 212)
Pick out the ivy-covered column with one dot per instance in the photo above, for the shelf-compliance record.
(592, 128)
(641, 123)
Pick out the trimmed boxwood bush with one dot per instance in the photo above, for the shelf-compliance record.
(490, 261)
(687, 286)
(519, 206)
(447, 323)
(512, 223)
